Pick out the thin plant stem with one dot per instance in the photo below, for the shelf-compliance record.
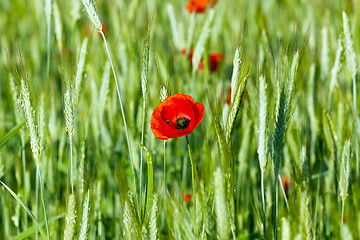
(193, 181)
(43, 199)
(24, 173)
(342, 211)
(141, 150)
(121, 106)
(184, 173)
(193, 82)
(263, 201)
(283, 191)
(356, 129)
(48, 49)
(150, 184)
(317, 203)
(164, 165)
(275, 213)
(71, 169)
(37, 200)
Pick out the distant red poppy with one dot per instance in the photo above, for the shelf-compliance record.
(89, 28)
(187, 197)
(228, 98)
(214, 60)
(176, 116)
(286, 183)
(199, 6)
(345, 218)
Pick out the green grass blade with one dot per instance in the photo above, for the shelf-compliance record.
(11, 133)
(21, 202)
(28, 233)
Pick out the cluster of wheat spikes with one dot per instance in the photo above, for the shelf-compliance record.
(276, 155)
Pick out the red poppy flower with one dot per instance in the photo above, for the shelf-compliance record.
(89, 28)
(199, 6)
(176, 116)
(187, 197)
(214, 61)
(228, 98)
(213, 57)
(286, 183)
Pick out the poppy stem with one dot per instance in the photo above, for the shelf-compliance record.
(193, 181)
(164, 184)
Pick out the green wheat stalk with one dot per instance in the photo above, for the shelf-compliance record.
(351, 65)
(34, 141)
(57, 26)
(19, 117)
(262, 148)
(200, 45)
(335, 71)
(344, 175)
(144, 81)
(70, 218)
(95, 19)
(153, 219)
(222, 224)
(69, 120)
(305, 218)
(85, 219)
(79, 73)
(285, 229)
(324, 53)
(131, 220)
(283, 115)
(48, 10)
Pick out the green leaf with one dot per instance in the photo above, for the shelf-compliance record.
(11, 133)
(21, 202)
(31, 230)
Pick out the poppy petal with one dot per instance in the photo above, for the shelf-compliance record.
(164, 120)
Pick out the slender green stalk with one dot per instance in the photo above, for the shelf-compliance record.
(121, 106)
(283, 191)
(71, 168)
(48, 10)
(48, 51)
(144, 81)
(263, 202)
(342, 211)
(69, 120)
(21, 202)
(276, 205)
(24, 175)
(150, 184)
(11, 133)
(37, 199)
(193, 181)
(262, 142)
(142, 142)
(350, 57)
(356, 127)
(164, 184)
(141, 153)
(43, 199)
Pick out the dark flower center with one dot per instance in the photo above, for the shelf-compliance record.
(182, 122)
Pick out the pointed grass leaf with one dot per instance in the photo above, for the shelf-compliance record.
(11, 133)
(21, 202)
